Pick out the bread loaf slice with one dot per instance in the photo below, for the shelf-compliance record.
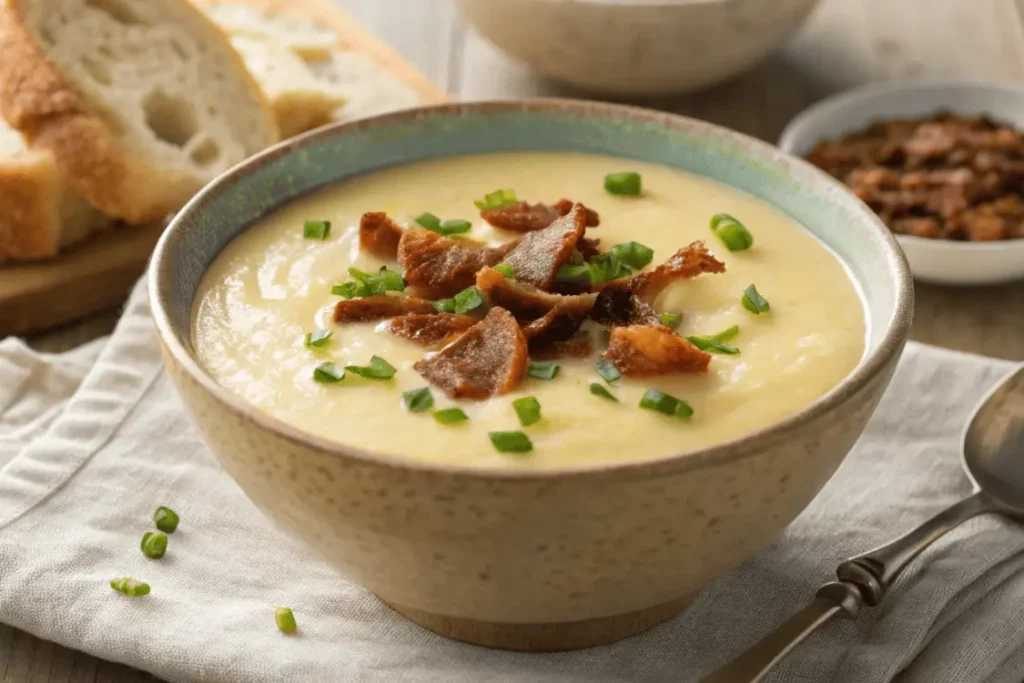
(39, 212)
(140, 103)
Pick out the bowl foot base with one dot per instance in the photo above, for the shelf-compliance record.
(552, 637)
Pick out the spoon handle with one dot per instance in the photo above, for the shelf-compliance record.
(863, 580)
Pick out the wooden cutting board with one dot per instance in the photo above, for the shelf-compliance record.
(100, 273)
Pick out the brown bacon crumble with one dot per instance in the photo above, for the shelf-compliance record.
(432, 330)
(439, 266)
(379, 307)
(526, 217)
(379, 235)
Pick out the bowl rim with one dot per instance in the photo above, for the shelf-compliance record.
(871, 364)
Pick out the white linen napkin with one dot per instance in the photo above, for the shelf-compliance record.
(75, 503)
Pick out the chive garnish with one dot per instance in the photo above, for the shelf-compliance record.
(417, 400)
(716, 343)
(154, 545)
(428, 221)
(542, 370)
(444, 305)
(508, 271)
(496, 199)
(666, 404)
(754, 302)
(670, 320)
(598, 390)
(528, 410)
(733, 234)
(633, 254)
(448, 416)
(607, 370)
(377, 369)
(468, 300)
(285, 620)
(328, 373)
(130, 587)
(511, 442)
(166, 519)
(316, 230)
(369, 284)
(453, 226)
(315, 340)
(623, 183)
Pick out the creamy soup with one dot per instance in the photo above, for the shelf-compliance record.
(271, 286)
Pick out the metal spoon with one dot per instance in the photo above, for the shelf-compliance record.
(993, 457)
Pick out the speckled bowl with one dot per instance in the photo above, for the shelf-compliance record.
(551, 559)
(638, 47)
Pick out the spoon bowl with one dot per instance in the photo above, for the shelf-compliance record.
(993, 447)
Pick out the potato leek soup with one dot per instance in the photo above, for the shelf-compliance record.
(528, 310)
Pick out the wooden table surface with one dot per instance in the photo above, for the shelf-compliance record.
(846, 42)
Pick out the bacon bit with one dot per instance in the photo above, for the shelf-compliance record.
(526, 217)
(379, 235)
(489, 358)
(588, 247)
(439, 267)
(539, 255)
(640, 350)
(379, 307)
(431, 330)
(558, 324)
(617, 305)
(576, 347)
(526, 302)
(686, 263)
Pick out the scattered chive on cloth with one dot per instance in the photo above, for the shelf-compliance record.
(87, 455)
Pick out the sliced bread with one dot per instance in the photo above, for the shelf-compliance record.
(140, 103)
(39, 212)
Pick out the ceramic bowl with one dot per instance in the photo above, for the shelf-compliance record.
(534, 560)
(942, 262)
(630, 47)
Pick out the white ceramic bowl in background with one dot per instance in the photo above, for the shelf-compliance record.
(638, 47)
(941, 262)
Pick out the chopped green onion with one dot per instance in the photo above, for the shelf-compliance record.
(130, 587)
(570, 272)
(508, 271)
(633, 254)
(316, 230)
(154, 545)
(542, 370)
(349, 290)
(285, 620)
(444, 305)
(377, 369)
(448, 416)
(369, 284)
(666, 404)
(454, 226)
(733, 234)
(318, 338)
(670, 320)
(754, 302)
(623, 183)
(607, 370)
(468, 300)
(716, 343)
(429, 221)
(598, 390)
(166, 519)
(528, 410)
(601, 268)
(328, 373)
(418, 400)
(496, 199)
(511, 442)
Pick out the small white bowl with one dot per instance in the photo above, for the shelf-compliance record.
(638, 47)
(942, 262)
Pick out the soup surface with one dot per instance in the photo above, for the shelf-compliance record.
(271, 286)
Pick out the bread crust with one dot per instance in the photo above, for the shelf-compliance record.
(29, 222)
(37, 100)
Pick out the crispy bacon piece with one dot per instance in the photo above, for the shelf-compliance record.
(379, 307)
(526, 217)
(431, 330)
(439, 267)
(688, 262)
(379, 235)
(578, 346)
(539, 255)
(588, 247)
(557, 325)
(489, 358)
(641, 350)
(617, 305)
(526, 302)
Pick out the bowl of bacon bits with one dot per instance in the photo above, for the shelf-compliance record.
(942, 164)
